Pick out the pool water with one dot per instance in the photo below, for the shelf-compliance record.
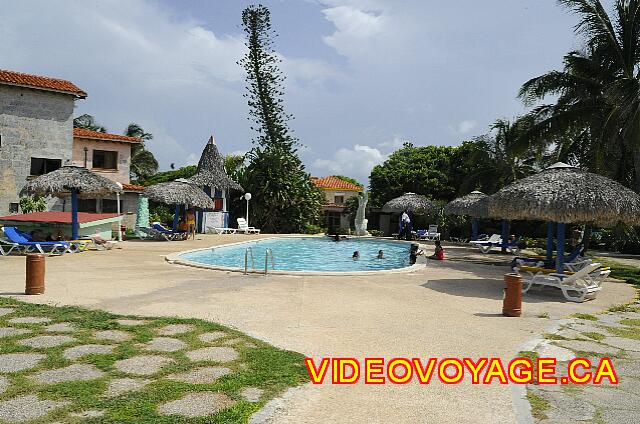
(308, 254)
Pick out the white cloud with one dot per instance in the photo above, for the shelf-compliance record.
(356, 162)
(356, 29)
(394, 144)
(464, 127)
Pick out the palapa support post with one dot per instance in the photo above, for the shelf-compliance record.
(474, 229)
(176, 217)
(560, 257)
(74, 214)
(505, 235)
(549, 240)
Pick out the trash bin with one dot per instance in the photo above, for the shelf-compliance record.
(34, 283)
(123, 231)
(512, 301)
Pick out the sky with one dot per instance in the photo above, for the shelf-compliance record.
(362, 75)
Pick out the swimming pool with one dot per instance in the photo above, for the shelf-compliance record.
(310, 254)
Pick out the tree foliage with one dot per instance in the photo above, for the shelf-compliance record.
(284, 197)
(88, 122)
(166, 176)
(143, 163)
(29, 204)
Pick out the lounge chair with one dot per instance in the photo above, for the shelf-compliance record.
(244, 228)
(45, 247)
(576, 287)
(150, 233)
(495, 241)
(173, 235)
(572, 263)
(225, 230)
(432, 233)
(6, 246)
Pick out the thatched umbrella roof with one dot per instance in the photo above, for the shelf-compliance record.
(474, 204)
(179, 192)
(411, 202)
(67, 178)
(563, 193)
(211, 172)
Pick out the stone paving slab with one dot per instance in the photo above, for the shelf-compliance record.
(88, 349)
(10, 332)
(165, 344)
(563, 406)
(45, 342)
(26, 408)
(198, 404)
(212, 335)
(173, 329)
(216, 354)
(587, 346)
(30, 320)
(113, 335)
(619, 416)
(623, 343)
(142, 364)
(610, 398)
(131, 322)
(204, 375)
(6, 311)
(121, 386)
(92, 413)
(4, 384)
(252, 394)
(61, 327)
(548, 350)
(76, 372)
(16, 362)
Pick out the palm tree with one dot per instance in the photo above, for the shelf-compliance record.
(595, 119)
(88, 122)
(143, 163)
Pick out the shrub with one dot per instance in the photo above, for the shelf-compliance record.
(377, 233)
(32, 204)
(312, 229)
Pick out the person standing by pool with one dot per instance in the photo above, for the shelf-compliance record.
(406, 225)
(191, 224)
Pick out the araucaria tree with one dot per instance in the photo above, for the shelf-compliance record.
(284, 199)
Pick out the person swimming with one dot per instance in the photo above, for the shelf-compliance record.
(356, 255)
(380, 254)
(415, 252)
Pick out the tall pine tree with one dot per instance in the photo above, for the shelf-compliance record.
(284, 197)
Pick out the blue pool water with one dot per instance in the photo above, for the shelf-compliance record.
(309, 254)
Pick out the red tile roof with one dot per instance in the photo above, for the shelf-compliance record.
(97, 135)
(57, 217)
(334, 183)
(132, 187)
(39, 82)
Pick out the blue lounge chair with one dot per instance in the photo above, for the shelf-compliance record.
(6, 246)
(173, 235)
(45, 247)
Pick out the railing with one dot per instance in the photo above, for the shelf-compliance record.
(268, 254)
(248, 252)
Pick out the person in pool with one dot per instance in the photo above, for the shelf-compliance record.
(380, 254)
(356, 255)
(439, 252)
(414, 252)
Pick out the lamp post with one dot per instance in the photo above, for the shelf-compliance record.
(119, 212)
(247, 197)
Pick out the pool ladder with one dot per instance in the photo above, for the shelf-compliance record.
(248, 253)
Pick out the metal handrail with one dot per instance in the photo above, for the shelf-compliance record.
(268, 253)
(248, 251)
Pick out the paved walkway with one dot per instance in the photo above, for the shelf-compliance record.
(615, 335)
(445, 309)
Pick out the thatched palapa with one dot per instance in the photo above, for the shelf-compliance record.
(179, 192)
(61, 182)
(563, 193)
(411, 202)
(211, 171)
(474, 204)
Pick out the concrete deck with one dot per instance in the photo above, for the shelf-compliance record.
(445, 309)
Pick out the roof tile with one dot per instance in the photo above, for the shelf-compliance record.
(40, 82)
(84, 133)
(334, 183)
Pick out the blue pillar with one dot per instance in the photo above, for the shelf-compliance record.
(505, 235)
(560, 253)
(549, 240)
(474, 229)
(74, 215)
(176, 217)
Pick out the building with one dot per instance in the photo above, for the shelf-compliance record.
(37, 137)
(337, 192)
(36, 127)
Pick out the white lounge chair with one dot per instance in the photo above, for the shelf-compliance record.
(432, 233)
(578, 287)
(244, 228)
(224, 230)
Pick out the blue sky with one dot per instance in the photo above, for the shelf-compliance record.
(363, 75)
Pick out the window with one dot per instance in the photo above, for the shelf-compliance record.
(87, 205)
(13, 207)
(332, 220)
(105, 159)
(110, 206)
(41, 166)
(338, 200)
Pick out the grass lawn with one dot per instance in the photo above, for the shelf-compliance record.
(250, 366)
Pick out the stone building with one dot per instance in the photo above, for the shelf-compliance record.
(337, 192)
(36, 126)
